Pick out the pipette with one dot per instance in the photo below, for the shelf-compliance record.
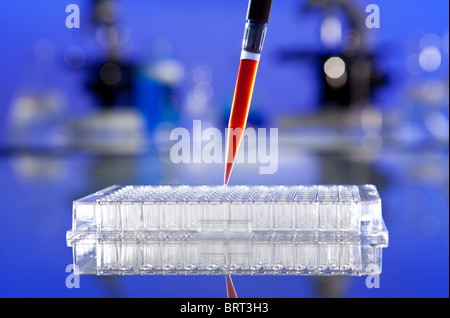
(255, 31)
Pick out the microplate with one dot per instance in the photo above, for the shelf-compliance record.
(216, 230)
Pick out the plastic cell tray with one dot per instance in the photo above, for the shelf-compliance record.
(261, 230)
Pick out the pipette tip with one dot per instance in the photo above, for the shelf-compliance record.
(228, 169)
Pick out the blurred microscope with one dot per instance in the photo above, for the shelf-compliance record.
(349, 73)
(123, 99)
(133, 97)
(348, 68)
(115, 127)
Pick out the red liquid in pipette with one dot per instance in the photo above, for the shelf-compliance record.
(239, 111)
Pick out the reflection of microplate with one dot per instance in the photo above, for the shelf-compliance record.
(293, 230)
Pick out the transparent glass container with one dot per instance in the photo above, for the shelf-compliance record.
(265, 230)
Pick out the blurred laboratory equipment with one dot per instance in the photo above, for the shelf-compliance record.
(347, 66)
(422, 121)
(111, 76)
(347, 125)
(147, 86)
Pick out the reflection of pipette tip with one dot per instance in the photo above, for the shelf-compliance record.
(231, 292)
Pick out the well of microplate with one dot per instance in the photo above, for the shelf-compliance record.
(216, 230)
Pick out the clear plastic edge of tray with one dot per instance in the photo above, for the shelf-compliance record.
(226, 246)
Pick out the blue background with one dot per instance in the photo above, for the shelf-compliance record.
(39, 177)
